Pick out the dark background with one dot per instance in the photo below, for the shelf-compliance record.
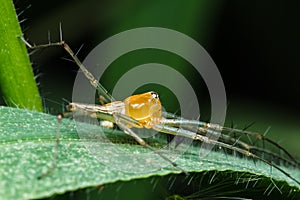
(255, 45)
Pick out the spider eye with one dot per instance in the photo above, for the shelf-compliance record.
(70, 107)
(154, 95)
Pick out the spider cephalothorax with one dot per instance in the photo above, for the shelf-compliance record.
(145, 108)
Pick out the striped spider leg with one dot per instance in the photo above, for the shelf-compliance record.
(202, 129)
(170, 126)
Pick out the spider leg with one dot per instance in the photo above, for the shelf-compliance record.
(53, 164)
(60, 116)
(120, 121)
(248, 147)
(204, 139)
(104, 96)
(203, 127)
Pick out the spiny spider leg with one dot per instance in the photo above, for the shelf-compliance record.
(93, 81)
(237, 142)
(202, 127)
(251, 148)
(53, 164)
(204, 139)
(130, 132)
(103, 116)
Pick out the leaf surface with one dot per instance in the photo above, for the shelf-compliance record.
(27, 140)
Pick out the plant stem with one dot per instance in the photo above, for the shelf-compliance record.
(17, 83)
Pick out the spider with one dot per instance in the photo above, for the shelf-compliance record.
(145, 111)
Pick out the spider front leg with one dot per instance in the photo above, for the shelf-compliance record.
(104, 96)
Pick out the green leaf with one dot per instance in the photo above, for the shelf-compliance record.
(17, 83)
(27, 140)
